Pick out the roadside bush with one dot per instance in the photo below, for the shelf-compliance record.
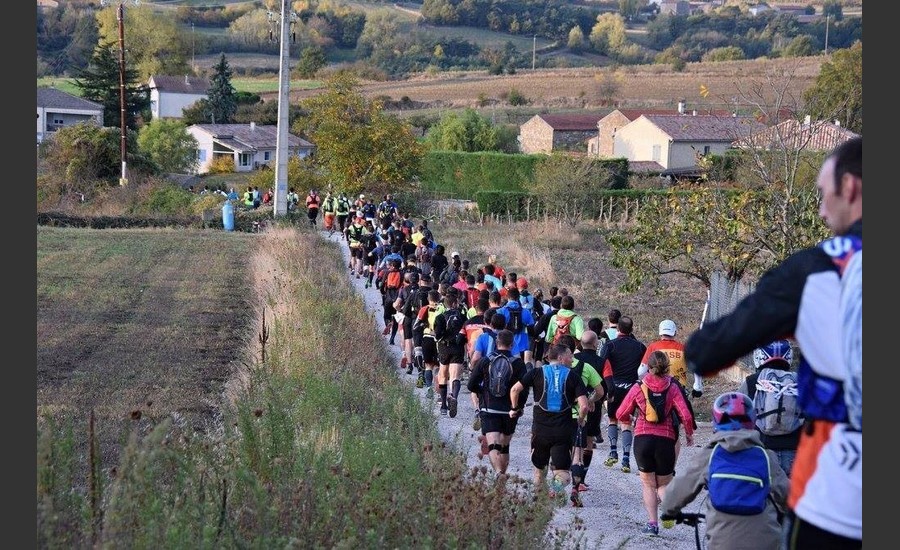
(168, 200)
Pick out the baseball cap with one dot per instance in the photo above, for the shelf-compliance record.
(454, 254)
(521, 283)
(667, 328)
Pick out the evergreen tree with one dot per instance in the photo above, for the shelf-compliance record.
(99, 82)
(221, 95)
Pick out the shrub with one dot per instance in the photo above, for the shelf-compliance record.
(515, 98)
(221, 165)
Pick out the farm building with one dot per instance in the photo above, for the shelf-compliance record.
(792, 134)
(557, 132)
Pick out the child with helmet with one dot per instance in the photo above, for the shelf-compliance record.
(735, 444)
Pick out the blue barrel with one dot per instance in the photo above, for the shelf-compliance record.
(228, 216)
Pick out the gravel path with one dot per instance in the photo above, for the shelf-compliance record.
(613, 514)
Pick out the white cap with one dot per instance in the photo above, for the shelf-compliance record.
(362, 196)
(454, 254)
(667, 328)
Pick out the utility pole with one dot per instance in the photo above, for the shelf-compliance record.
(533, 50)
(827, 16)
(123, 127)
(193, 49)
(284, 85)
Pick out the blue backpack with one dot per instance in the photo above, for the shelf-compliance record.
(740, 481)
(554, 398)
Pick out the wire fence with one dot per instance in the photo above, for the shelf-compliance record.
(724, 296)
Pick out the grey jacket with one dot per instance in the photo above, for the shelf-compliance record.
(729, 531)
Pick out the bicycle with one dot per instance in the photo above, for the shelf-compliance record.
(691, 519)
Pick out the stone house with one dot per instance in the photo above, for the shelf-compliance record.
(170, 95)
(601, 144)
(547, 133)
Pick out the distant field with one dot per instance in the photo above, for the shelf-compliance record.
(254, 85)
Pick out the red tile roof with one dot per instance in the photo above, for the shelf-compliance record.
(793, 134)
(572, 122)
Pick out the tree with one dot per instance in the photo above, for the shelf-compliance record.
(154, 42)
(466, 131)
(83, 155)
(725, 53)
(566, 186)
(221, 94)
(833, 9)
(311, 60)
(738, 229)
(608, 33)
(837, 91)
(631, 8)
(576, 39)
(608, 87)
(99, 82)
(169, 145)
(800, 46)
(358, 146)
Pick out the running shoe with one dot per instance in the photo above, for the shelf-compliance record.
(626, 466)
(582, 487)
(444, 411)
(575, 499)
(429, 393)
(452, 405)
(409, 371)
(650, 529)
(612, 459)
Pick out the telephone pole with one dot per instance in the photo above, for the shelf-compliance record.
(123, 112)
(284, 84)
(533, 50)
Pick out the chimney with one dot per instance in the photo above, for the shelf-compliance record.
(837, 123)
(186, 82)
(807, 120)
(694, 112)
(252, 126)
(681, 106)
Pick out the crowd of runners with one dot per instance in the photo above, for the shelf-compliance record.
(475, 323)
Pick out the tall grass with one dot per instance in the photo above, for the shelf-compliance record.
(321, 445)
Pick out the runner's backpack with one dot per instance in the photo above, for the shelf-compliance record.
(526, 299)
(775, 401)
(655, 411)
(499, 374)
(394, 280)
(514, 324)
(454, 320)
(554, 398)
(739, 482)
(562, 327)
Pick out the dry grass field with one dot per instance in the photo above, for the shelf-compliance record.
(639, 86)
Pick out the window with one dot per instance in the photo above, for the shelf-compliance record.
(266, 155)
(706, 149)
(201, 155)
(244, 159)
(656, 153)
(58, 121)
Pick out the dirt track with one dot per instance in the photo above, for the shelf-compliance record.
(613, 514)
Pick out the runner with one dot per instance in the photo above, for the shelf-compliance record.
(329, 210)
(448, 331)
(556, 391)
(590, 365)
(312, 206)
(342, 209)
(426, 317)
(491, 398)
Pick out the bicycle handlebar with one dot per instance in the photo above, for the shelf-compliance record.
(687, 518)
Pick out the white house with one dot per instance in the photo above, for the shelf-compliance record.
(170, 95)
(251, 146)
(56, 108)
(677, 141)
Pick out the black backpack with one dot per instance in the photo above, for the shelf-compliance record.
(454, 320)
(514, 323)
(500, 373)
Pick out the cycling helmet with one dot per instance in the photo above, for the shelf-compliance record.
(779, 350)
(733, 411)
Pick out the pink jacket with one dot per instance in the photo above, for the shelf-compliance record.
(634, 399)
